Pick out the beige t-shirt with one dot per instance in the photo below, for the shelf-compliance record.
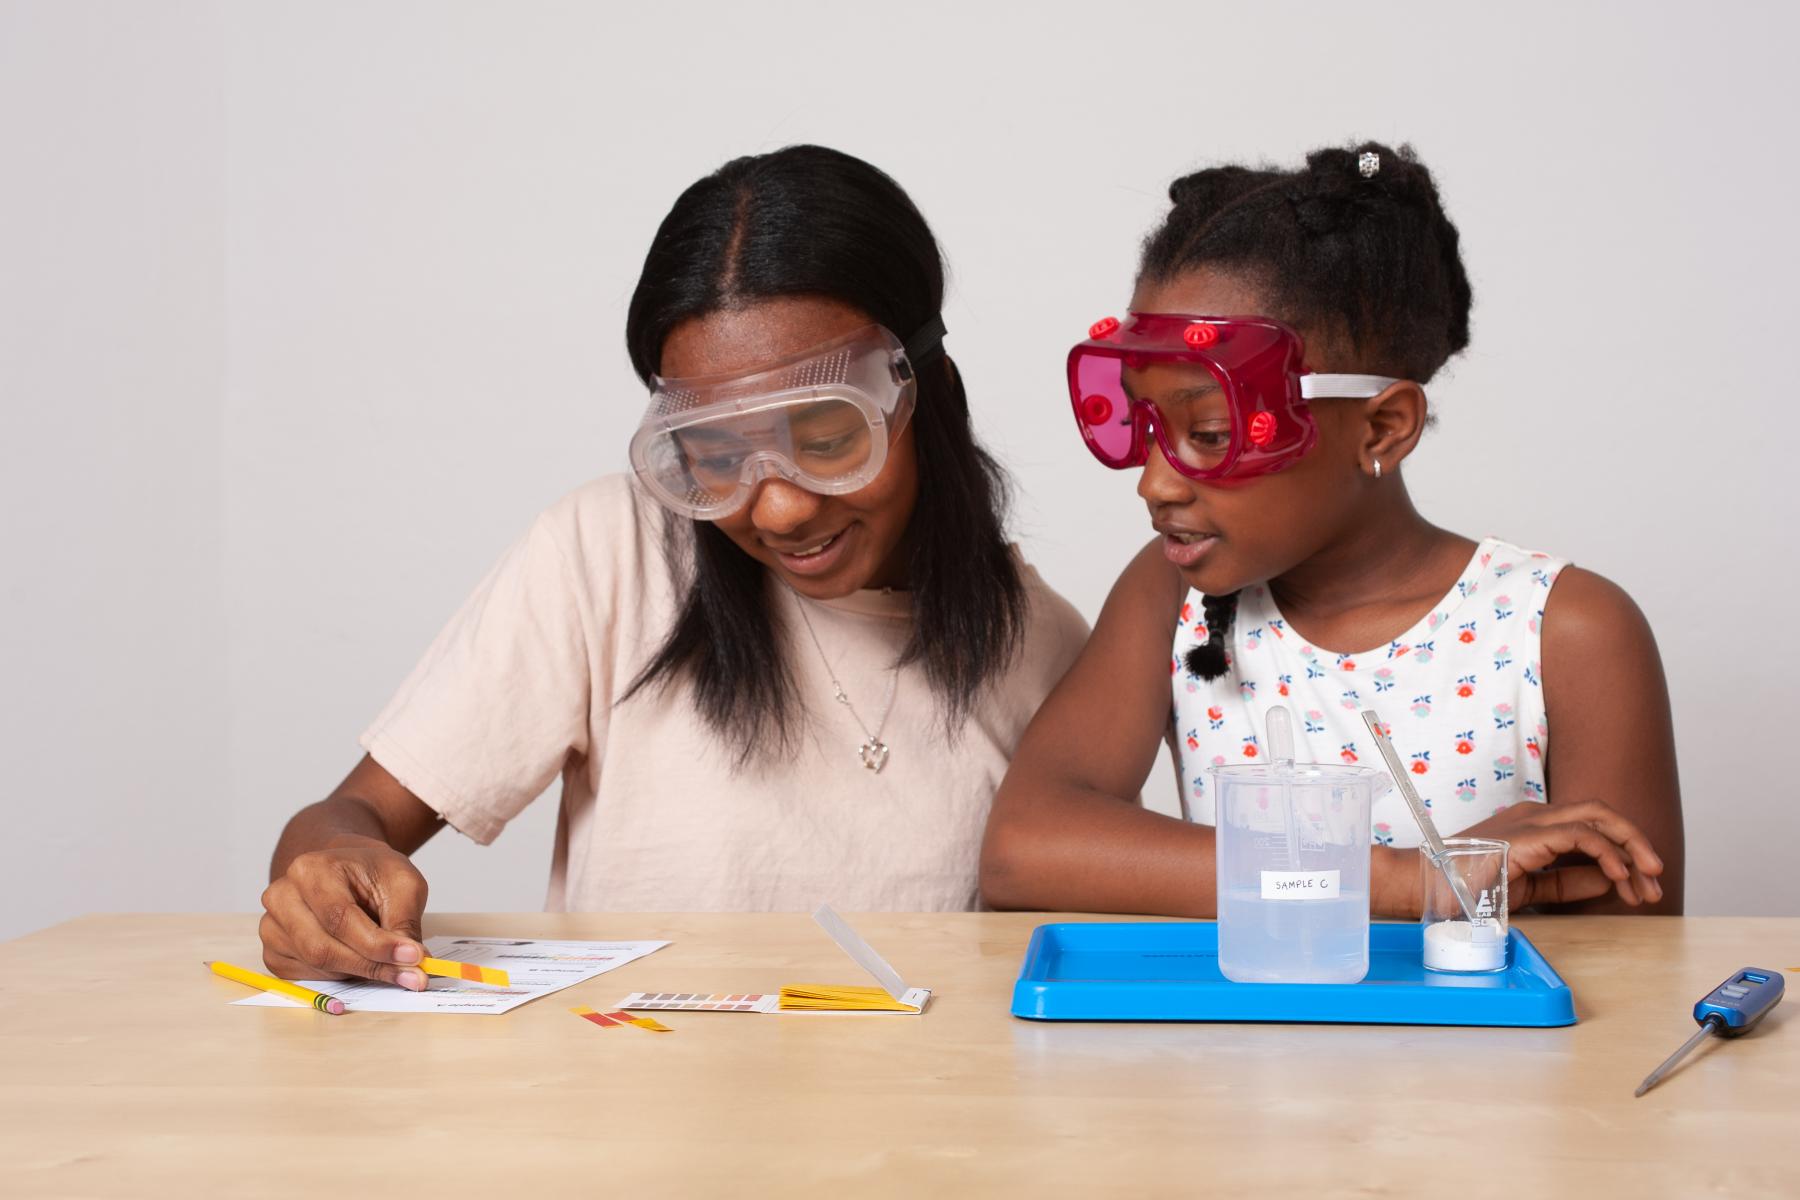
(523, 685)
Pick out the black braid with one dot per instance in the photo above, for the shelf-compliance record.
(1372, 260)
(1209, 659)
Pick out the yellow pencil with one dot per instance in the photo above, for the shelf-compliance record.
(324, 1003)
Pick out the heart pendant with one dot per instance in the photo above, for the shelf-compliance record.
(874, 755)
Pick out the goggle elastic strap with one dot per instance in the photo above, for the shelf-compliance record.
(1344, 387)
(926, 342)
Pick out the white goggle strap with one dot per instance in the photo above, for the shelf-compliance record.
(1344, 387)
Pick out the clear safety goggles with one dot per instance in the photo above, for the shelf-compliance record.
(1224, 397)
(823, 420)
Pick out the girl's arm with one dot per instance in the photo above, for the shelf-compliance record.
(1065, 832)
(1611, 736)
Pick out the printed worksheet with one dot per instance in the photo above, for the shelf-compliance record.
(536, 968)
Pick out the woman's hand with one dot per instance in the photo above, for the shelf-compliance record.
(344, 899)
(1619, 856)
(352, 909)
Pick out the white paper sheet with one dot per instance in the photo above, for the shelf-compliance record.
(536, 967)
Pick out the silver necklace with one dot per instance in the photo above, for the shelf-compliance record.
(873, 751)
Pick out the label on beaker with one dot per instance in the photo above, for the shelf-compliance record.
(1299, 885)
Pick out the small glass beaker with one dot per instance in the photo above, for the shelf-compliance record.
(1453, 942)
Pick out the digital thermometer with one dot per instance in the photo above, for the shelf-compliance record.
(1732, 1008)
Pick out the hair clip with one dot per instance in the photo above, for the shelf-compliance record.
(1368, 164)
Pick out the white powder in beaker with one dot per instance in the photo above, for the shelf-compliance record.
(1458, 946)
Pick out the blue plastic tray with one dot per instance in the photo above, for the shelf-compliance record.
(1169, 971)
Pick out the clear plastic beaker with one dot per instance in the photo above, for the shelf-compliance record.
(1453, 942)
(1293, 871)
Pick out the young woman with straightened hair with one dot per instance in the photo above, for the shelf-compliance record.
(785, 661)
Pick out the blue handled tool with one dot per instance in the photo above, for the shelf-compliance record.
(1732, 1008)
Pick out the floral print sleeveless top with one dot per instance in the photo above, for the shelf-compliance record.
(1461, 693)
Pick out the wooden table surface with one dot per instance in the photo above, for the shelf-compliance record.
(123, 1072)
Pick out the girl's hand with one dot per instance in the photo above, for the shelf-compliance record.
(1620, 856)
(352, 909)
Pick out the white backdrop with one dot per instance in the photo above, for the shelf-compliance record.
(305, 309)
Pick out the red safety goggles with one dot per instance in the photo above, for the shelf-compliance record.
(1226, 397)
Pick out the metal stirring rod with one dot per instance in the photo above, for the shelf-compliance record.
(1434, 844)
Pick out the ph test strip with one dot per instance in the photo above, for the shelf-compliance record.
(613, 1019)
(462, 970)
